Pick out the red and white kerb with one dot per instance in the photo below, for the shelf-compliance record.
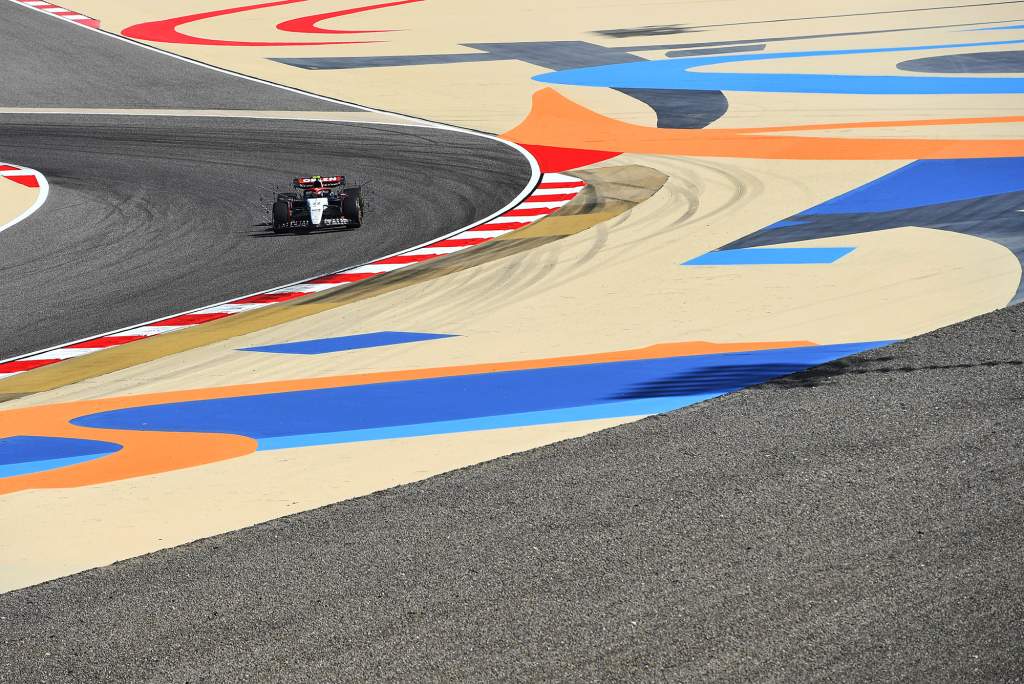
(30, 178)
(554, 191)
(60, 12)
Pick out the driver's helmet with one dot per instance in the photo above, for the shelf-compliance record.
(317, 189)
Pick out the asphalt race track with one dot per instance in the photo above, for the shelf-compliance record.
(858, 522)
(50, 63)
(150, 215)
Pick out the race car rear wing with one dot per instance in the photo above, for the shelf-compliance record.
(325, 181)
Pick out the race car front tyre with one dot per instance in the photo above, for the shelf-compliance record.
(352, 207)
(281, 217)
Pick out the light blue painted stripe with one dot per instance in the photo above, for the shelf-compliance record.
(346, 343)
(679, 74)
(775, 256)
(618, 409)
(24, 468)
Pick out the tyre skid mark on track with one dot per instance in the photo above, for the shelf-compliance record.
(29, 178)
(538, 205)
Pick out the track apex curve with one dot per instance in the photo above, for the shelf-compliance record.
(553, 192)
(29, 178)
(502, 221)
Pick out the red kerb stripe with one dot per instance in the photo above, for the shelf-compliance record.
(191, 319)
(552, 186)
(340, 278)
(19, 366)
(552, 198)
(407, 258)
(27, 181)
(107, 341)
(500, 226)
(540, 211)
(460, 242)
(269, 298)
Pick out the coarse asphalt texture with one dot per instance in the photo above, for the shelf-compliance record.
(52, 63)
(860, 521)
(149, 216)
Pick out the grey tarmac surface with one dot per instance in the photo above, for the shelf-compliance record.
(151, 216)
(52, 63)
(861, 521)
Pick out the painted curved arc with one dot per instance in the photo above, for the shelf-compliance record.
(766, 56)
(309, 24)
(685, 73)
(169, 30)
(44, 192)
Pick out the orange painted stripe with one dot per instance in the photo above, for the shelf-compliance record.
(554, 119)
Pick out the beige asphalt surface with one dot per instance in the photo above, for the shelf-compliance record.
(616, 286)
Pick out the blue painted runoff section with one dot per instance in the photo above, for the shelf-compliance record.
(335, 344)
(25, 454)
(679, 74)
(927, 182)
(479, 401)
(756, 256)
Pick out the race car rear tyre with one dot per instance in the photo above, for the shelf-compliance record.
(281, 217)
(352, 207)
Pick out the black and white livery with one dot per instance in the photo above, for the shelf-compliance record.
(319, 201)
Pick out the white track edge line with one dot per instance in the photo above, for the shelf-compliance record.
(279, 86)
(44, 192)
(228, 115)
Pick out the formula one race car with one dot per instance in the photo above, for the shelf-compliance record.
(318, 204)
